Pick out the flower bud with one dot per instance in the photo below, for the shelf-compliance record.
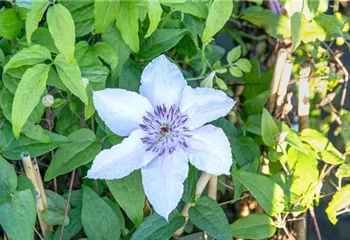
(48, 100)
(85, 81)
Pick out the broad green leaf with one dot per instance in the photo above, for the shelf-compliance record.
(253, 124)
(129, 194)
(303, 167)
(98, 218)
(268, 193)
(331, 25)
(160, 41)
(193, 7)
(62, 29)
(83, 15)
(28, 56)
(256, 104)
(298, 26)
(245, 150)
(236, 72)
(276, 25)
(244, 65)
(8, 179)
(331, 157)
(156, 227)
(254, 226)
(340, 200)
(313, 31)
(114, 205)
(343, 170)
(81, 151)
(128, 25)
(130, 76)
(208, 215)
(34, 17)
(106, 52)
(36, 132)
(234, 54)
(105, 13)
(293, 139)
(35, 148)
(189, 194)
(42, 37)
(269, 129)
(219, 13)
(56, 205)
(10, 24)
(74, 226)
(154, 14)
(71, 77)
(24, 183)
(28, 95)
(18, 216)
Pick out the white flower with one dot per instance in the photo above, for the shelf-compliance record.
(165, 124)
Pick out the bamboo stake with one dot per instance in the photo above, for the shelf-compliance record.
(200, 186)
(32, 175)
(213, 187)
(283, 86)
(281, 59)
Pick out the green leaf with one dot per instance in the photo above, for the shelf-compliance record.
(331, 25)
(331, 157)
(24, 183)
(343, 170)
(156, 227)
(62, 29)
(42, 37)
(340, 200)
(34, 17)
(254, 226)
(129, 194)
(71, 77)
(98, 218)
(253, 124)
(130, 76)
(208, 215)
(268, 193)
(160, 41)
(36, 132)
(18, 216)
(35, 148)
(154, 13)
(236, 72)
(234, 54)
(298, 26)
(74, 226)
(106, 52)
(10, 24)
(219, 13)
(56, 205)
(28, 94)
(313, 31)
(245, 150)
(105, 13)
(244, 65)
(81, 151)
(269, 129)
(193, 7)
(28, 56)
(8, 179)
(128, 25)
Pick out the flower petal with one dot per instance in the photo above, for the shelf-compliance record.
(162, 82)
(121, 110)
(203, 105)
(163, 180)
(209, 150)
(121, 159)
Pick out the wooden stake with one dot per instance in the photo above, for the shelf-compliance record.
(213, 187)
(39, 189)
(283, 86)
(304, 98)
(281, 59)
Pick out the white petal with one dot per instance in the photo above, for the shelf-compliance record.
(163, 180)
(121, 159)
(121, 110)
(209, 150)
(203, 105)
(162, 82)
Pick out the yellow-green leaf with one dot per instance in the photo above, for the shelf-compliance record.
(34, 16)
(154, 13)
(105, 12)
(127, 24)
(219, 13)
(340, 200)
(62, 29)
(298, 26)
(28, 95)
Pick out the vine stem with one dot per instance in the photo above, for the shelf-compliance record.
(67, 203)
(200, 186)
(313, 216)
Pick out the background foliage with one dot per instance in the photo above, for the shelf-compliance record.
(54, 54)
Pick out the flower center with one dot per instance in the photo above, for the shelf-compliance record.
(165, 130)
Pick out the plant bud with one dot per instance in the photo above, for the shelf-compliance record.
(48, 100)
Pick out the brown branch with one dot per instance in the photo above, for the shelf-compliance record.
(313, 216)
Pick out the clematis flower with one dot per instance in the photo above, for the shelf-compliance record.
(165, 125)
